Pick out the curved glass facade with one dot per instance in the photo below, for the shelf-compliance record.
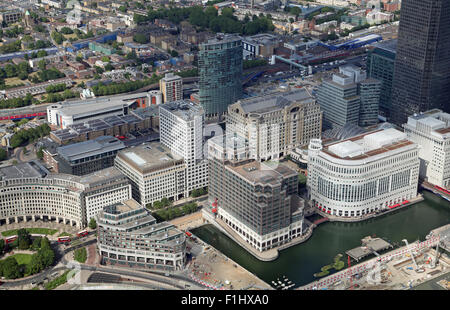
(220, 73)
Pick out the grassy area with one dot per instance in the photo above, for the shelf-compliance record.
(80, 255)
(57, 282)
(63, 234)
(42, 231)
(14, 81)
(22, 259)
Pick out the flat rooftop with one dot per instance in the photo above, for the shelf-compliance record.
(368, 144)
(183, 109)
(30, 169)
(264, 173)
(274, 101)
(149, 157)
(221, 38)
(389, 45)
(89, 148)
(125, 206)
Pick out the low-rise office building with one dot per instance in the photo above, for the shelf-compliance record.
(89, 156)
(363, 174)
(154, 172)
(431, 130)
(80, 111)
(128, 234)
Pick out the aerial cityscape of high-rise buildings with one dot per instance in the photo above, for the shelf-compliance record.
(188, 145)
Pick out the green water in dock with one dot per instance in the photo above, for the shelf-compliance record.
(300, 262)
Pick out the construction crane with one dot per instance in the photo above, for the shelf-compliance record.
(410, 253)
(435, 259)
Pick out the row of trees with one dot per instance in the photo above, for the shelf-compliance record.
(160, 204)
(199, 192)
(29, 135)
(39, 44)
(247, 64)
(38, 54)
(17, 102)
(49, 74)
(56, 88)
(210, 19)
(188, 73)
(118, 88)
(56, 97)
(12, 32)
(12, 70)
(11, 47)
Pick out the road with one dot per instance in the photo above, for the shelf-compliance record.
(173, 280)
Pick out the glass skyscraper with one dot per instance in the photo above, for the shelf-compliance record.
(422, 66)
(220, 73)
(380, 66)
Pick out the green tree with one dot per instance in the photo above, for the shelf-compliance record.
(11, 269)
(92, 223)
(141, 38)
(24, 239)
(40, 153)
(36, 245)
(2, 246)
(3, 154)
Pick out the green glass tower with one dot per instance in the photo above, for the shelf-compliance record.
(380, 66)
(220, 73)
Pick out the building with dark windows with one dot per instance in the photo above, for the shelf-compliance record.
(89, 156)
(128, 235)
(349, 97)
(422, 65)
(220, 73)
(380, 66)
(369, 92)
(257, 200)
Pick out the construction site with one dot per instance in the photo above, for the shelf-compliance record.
(407, 267)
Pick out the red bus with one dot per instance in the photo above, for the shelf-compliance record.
(82, 233)
(10, 239)
(64, 239)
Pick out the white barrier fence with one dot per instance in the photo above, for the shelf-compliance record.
(431, 242)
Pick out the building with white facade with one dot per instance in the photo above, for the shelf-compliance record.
(363, 174)
(29, 192)
(154, 172)
(181, 130)
(129, 235)
(80, 111)
(431, 130)
(276, 123)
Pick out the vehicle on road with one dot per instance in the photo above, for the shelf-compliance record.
(65, 239)
(82, 233)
